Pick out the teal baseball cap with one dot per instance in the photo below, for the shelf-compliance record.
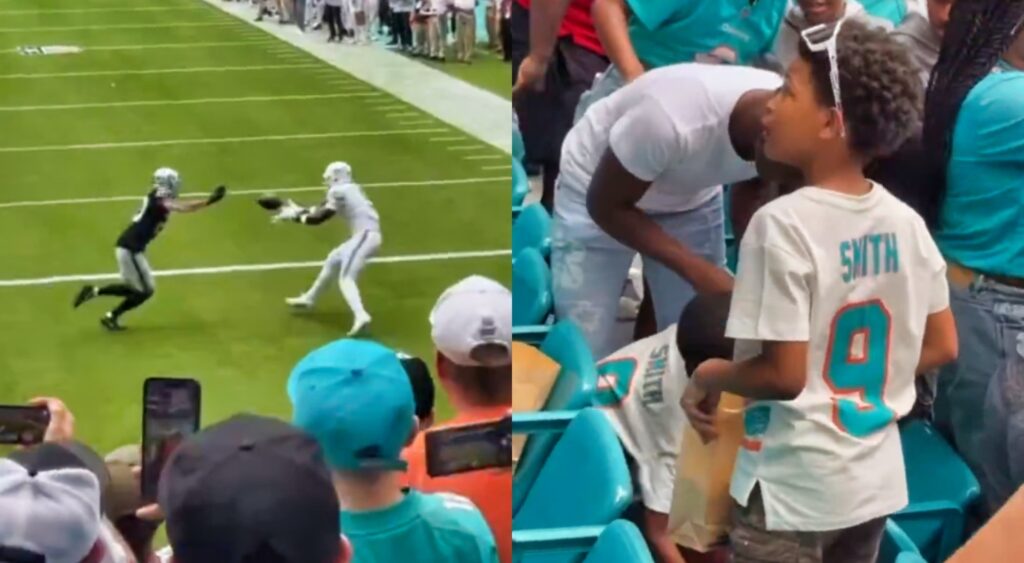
(355, 398)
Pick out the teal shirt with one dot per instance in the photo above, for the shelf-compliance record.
(892, 10)
(422, 528)
(666, 32)
(982, 220)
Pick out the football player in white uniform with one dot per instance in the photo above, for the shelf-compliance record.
(345, 262)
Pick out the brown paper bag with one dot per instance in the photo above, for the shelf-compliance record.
(533, 375)
(700, 515)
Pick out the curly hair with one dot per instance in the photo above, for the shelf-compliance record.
(881, 91)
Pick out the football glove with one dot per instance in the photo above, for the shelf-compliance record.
(290, 211)
(218, 194)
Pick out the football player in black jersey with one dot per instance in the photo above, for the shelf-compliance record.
(137, 284)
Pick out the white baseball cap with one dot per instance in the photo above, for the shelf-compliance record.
(54, 513)
(474, 312)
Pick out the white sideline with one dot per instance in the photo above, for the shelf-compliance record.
(368, 93)
(160, 70)
(101, 10)
(116, 26)
(111, 199)
(27, 282)
(90, 146)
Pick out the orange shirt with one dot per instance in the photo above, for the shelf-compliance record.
(489, 489)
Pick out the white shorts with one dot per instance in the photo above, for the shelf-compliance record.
(135, 270)
(355, 252)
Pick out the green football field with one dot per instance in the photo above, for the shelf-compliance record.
(181, 84)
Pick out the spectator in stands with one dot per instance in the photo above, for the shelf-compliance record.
(800, 313)
(641, 173)
(51, 495)
(471, 326)
(923, 35)
(464, 13)
(641, 35)
(650, 423)
(124, 499)
(332, 13)
(422, 389)
(893, 11)
(354, 397)
(554, 48)
(251, 488)
(808, 13)
(401, 12)
(973, 131)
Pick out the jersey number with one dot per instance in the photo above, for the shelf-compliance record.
(856, 367)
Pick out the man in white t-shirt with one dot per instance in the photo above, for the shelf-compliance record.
(639, 388)
(641, 172)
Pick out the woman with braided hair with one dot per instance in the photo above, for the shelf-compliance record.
(974, 139)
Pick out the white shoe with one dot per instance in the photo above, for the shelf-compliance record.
(300, 302)
(359, 324)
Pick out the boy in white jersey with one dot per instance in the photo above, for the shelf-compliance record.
(637, 389)
(345, 262)
(840, 300)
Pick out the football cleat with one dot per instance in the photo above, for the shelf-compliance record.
(85, 294)
(110, 323)
(300, 302)
(359, 325)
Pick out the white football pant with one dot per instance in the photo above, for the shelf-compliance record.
(343, 265)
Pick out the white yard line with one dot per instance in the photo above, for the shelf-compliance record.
(199, 101)
(99, 10)
(498, 167)
(119, 26)
(119, 198)
(417, 121)
(161, 71)
(405, 114)
(87, 48)
(486, 157)
(458, 138)
(91, 146)
(469, 148)
(437, 257)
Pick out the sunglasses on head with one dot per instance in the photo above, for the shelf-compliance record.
(823, 38)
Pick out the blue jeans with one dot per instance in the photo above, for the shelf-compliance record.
(979, 402)
(589, 269)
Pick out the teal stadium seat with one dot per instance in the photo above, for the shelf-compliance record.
(941, 489)
(584, 482)
(574, 389)
(520, 184)
(532, 229)
(531, 292)
(893, 11)
(897, 547)
(518, 146)
(618, 542)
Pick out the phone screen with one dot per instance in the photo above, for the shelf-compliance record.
(22, 425)
(170, 415)
(469, 448)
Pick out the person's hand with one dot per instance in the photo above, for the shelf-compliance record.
(62, 422)
(151, 512)
(218, 194)
(700, 400)
(531, 75)
(719, 55)
(290, 211)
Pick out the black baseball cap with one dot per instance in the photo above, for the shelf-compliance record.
(246, 487)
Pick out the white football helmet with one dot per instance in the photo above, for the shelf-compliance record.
(167, 182)
(337, 173)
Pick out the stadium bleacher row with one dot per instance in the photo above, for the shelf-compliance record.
(572, 483)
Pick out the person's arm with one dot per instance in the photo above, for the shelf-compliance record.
(612, 203)
(195, 205)
(655, 529)
(315, 216)
(940, 345)
(545, 22)
(779, 373)
(611, 20)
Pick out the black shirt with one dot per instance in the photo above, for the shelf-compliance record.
(146, 224)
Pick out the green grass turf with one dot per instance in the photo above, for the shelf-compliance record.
(231, 331)
(487, 71)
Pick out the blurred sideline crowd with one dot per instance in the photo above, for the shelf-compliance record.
(344, 480)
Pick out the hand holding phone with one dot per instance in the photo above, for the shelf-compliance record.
(471, 447)
(23, 425)
(170, 415)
